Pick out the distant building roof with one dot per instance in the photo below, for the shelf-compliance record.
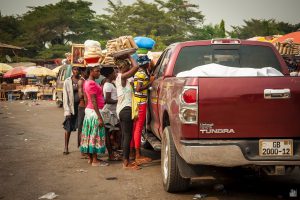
(8, 46)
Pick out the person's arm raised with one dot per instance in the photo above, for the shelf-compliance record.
(132, 70)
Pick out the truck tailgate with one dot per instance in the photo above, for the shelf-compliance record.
(237, 107)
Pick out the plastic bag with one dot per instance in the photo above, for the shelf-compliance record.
(92, 49)
(50, 195)
(144, 42)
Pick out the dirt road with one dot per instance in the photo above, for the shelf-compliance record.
(32, 164)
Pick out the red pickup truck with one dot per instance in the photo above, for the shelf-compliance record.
(223, 121)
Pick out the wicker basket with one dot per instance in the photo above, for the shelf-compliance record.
(123, 53)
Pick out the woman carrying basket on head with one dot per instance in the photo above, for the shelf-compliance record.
(93, 132)
(127, 68)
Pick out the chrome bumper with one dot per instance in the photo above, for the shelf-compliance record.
(226, 153)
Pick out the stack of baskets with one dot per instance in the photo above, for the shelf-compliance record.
(288, 47)
(92, 52)
(117, 46)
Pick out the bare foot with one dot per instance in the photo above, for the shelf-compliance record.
(66, 152)
(95, 164)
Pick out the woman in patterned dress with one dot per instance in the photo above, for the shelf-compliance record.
(93, 132)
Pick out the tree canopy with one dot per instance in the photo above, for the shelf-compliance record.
(47, 31)
(262, 27)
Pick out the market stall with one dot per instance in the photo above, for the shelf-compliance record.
(32, 82)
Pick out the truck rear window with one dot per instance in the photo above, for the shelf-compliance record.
(228, 55)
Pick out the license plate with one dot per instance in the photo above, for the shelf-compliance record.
(276, 147)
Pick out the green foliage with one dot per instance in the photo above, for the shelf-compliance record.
(143, 22)
(54, 51)
(9, 29)
(183, 18)
(159, 43)
(165, 21)
(222, 29)
(210, 31)
(256, 27)
(58, 23)
(117, 19)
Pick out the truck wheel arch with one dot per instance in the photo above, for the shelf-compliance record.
(165, 120)
(172, 179)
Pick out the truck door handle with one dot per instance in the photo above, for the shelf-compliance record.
(277, 93)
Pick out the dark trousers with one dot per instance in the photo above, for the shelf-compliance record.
(80, 118)
(126, 127)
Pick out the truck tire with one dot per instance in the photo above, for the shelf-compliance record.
(172, 180)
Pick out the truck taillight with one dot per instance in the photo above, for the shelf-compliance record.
(188, 113)
(190, 96)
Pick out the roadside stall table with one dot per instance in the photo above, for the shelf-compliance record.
(30, 91)
(10, 91)
(45, 92)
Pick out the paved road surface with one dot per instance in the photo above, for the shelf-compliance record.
(32, 164)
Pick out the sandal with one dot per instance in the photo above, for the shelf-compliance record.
(65, 153)
(84, 156)
(132, 166)
(135, 163)
(143, 160)
(115, 157)
(104, 164)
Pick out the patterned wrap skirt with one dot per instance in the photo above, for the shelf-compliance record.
(93, 136)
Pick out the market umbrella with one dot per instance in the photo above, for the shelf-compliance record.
(28, 69)
(15, 72)
(294, 36)
(56, 69)
(4, 67)
(40, 71)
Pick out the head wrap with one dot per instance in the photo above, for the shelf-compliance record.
(142, 60)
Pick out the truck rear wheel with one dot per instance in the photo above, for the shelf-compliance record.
(172, 180)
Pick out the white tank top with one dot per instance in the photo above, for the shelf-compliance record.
(124, 94)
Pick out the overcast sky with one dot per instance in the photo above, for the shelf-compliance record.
(232, 11)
